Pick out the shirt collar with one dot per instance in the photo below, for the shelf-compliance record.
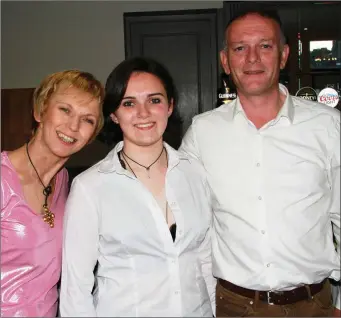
(286, 111)
(111, 162)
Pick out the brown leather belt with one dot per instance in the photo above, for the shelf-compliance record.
(276, 298)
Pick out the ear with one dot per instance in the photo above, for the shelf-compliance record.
(170, 107)
(284, 56)
(114, 118)
(224, 61)
(37, 116)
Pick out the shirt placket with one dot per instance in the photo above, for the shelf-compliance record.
(173, 257)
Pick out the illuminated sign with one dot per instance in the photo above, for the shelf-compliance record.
(307, 93)
(329, 97)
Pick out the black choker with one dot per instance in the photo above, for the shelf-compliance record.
(146, 167)
(48, 216)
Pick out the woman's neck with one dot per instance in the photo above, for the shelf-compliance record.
(36, 156)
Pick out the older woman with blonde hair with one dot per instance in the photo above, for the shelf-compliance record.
(34, 188)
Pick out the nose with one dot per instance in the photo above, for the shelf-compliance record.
(74, 123)
(143, 111)
(253, 55)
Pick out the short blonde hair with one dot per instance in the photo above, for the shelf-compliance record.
(74, 78)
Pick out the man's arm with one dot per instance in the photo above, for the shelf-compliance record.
(206, 247)
(335, 201)
(189, 144)
(206, 267)
(190, 147)
(80, 254)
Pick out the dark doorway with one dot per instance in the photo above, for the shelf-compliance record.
(186, 43)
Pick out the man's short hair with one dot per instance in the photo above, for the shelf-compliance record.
(270, 14)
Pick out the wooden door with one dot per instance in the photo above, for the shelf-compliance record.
(186, 43)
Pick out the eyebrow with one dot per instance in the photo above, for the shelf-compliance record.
(149, 95)
(262, 40)
(61, 102)
(67, 104)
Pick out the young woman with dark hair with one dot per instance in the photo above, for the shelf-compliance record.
(143, 213)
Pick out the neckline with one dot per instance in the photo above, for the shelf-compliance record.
(21, 190)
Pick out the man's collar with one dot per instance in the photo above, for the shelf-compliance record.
(287, 110)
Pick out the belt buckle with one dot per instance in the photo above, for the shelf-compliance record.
(268, 293)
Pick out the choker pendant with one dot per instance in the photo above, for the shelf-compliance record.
(146, 167)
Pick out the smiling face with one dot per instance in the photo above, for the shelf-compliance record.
(254, 54)
(144, 110)
(69, 121)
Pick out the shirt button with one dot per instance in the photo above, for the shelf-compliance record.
(262, 231)
(180, 232)
(258, 164)
(172, 204)
(177, 292)
(259, 198)
(268, 265)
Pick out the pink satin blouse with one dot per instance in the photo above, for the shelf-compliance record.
(30, 249)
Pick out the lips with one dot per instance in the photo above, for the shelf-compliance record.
(65, 138)
(256, 72)
(145, 126)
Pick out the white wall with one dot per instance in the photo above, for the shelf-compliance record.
(41, 37)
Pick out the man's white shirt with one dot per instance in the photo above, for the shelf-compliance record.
(276, 193)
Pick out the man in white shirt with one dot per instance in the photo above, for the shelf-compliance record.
(273, 163)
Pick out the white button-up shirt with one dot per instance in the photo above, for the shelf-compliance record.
(112, 218)
(277, 193)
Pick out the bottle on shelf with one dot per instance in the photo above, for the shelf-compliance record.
(227, 92)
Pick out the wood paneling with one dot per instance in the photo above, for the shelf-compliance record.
(16, 117)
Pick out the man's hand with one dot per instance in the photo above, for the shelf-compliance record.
(337, 312)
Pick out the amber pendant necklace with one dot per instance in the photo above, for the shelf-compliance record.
(48, 216)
